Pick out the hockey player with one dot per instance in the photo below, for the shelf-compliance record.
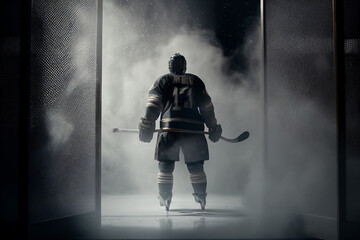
(184, 104)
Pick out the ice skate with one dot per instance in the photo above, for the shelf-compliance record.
(165, 200)
(200, 198)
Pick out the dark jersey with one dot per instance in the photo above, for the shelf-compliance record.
(182, 101)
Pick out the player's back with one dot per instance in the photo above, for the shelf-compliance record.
(182, 108)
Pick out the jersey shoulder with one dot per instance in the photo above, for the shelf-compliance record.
(196, 80)
(193, 76)
(163, 81)
(165, 77)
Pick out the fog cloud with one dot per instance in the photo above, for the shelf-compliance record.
(130, 66)
(301, 129)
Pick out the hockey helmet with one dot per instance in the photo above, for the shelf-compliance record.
(177, 64)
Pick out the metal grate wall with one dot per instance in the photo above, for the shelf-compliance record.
(62, 120)
(300, 92)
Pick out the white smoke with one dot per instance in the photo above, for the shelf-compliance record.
(131, 63)
(128, 165)
(59, 126)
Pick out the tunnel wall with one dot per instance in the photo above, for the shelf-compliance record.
(300, 119)
(63, 116)
(10, 62)
(352, 116)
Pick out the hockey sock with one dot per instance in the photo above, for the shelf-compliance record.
(165, 182)
(197, 177)
(199, 182)
(165, 179)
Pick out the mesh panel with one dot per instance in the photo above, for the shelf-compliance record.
(352, 46)
(301, 123)
(63, 97)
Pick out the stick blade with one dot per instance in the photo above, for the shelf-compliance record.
(240, 138)
(243, 136)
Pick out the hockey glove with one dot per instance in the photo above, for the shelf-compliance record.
(146, 130)
(215, 133)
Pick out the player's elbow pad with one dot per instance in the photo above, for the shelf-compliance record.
(152, 113)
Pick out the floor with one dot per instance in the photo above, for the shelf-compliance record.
(141, 217)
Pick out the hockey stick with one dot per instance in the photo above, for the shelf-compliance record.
(240, 138)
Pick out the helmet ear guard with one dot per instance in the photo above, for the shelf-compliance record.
(177, 64)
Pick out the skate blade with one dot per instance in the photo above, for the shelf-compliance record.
(165, 204)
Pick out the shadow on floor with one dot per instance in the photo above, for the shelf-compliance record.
(208, 212)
